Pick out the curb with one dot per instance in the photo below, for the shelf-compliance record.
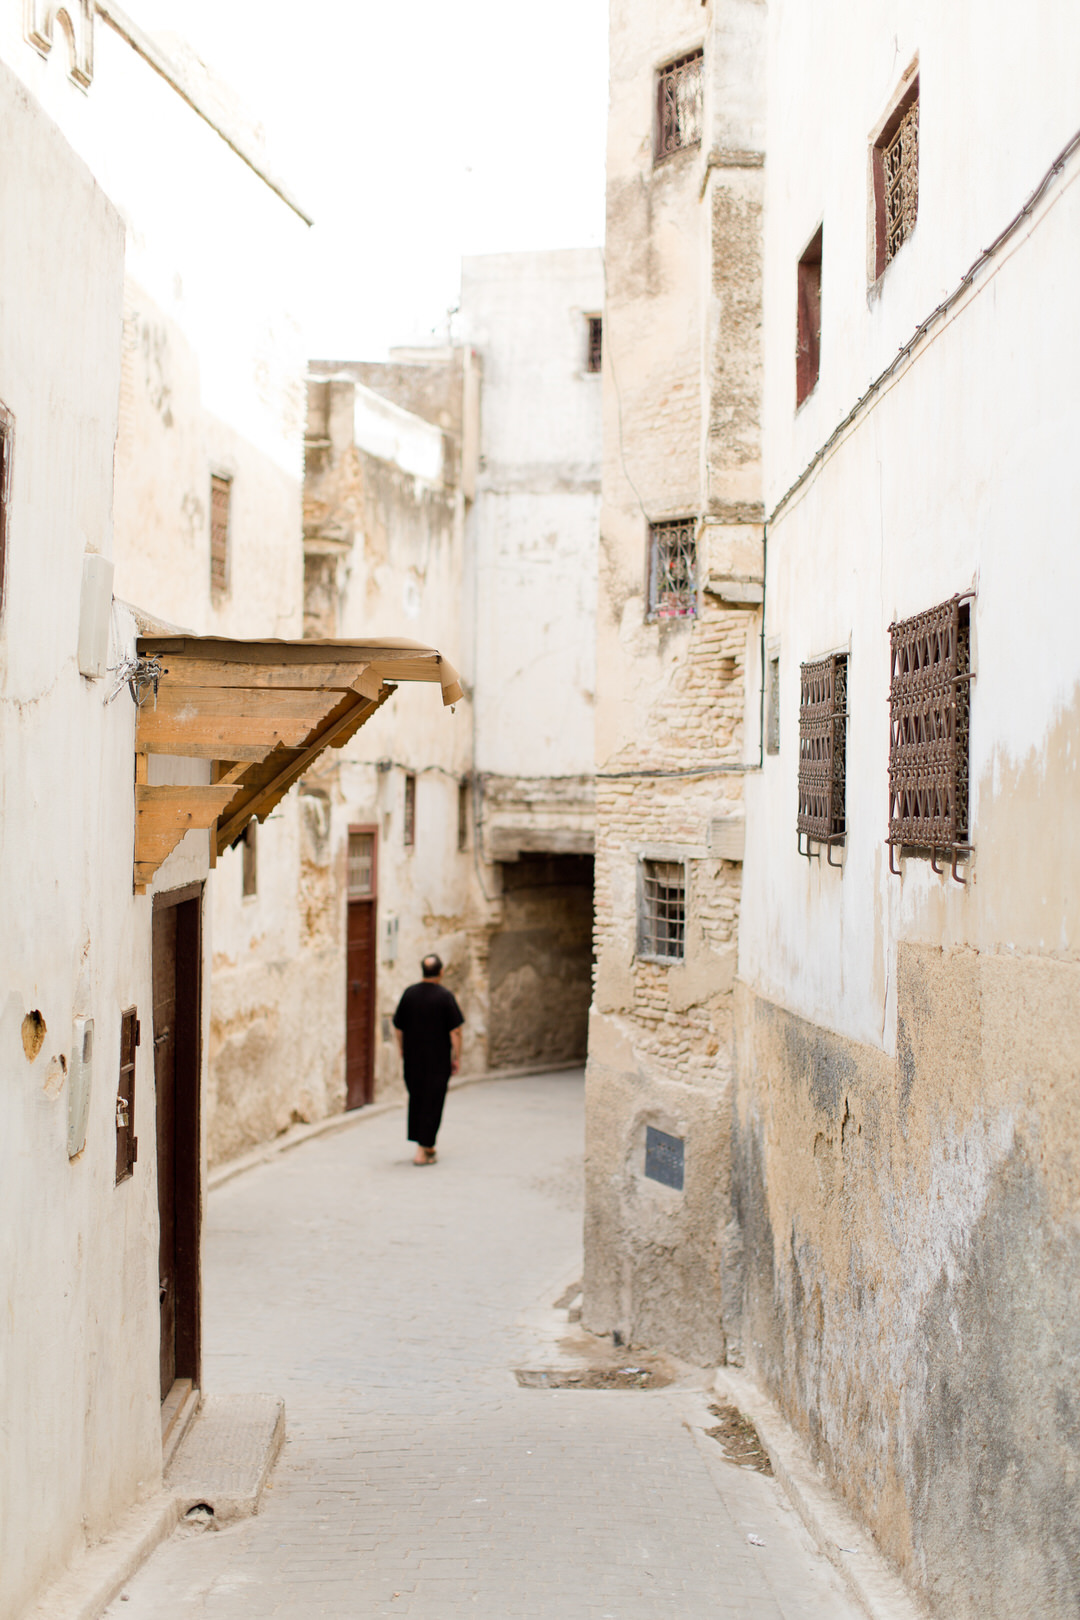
(98, 1576)
(846, 1543)
(297, 1135)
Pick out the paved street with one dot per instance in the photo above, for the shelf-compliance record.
(389, 1306)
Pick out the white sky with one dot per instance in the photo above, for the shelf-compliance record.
(414, 133)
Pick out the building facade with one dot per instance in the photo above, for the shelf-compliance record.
(908, 1016)
(678, 622)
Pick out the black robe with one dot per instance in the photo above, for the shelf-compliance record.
(425, 1015)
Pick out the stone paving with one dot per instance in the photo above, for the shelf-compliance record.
(389, 1306)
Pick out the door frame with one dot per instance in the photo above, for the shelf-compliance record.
(366, 828)
(187, 1106)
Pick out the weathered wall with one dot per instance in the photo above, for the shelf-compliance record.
(681, 439)
(79, 1323)
(540, 963)
(908, 1047)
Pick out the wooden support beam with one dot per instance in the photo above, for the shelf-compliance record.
(163, 815)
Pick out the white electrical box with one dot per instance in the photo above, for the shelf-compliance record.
(79, 1078)
(95, 614)
(390, 938)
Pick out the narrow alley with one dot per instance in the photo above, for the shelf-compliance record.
(391, 1309)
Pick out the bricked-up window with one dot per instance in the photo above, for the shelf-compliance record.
(127, 1146)
(930, 709)
(662, 911)
(250, 847)
(673, 569)
(409, 835)
(463, 815)
(594, 357)
(823, 750)
(678, 105)
(808, 343)
(896, 178)
(220, 501)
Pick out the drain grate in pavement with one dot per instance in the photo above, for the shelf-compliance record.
(591, 1378)
(738, 1439)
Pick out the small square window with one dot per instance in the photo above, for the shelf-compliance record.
(679, 105)
(896, 178)
(662, 915)
(929, 730)
(673, 569)
(823, 750)
(220, 501)
(409, 823)
(808, 346)
(594, 357)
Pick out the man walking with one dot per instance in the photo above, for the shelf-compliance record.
(428, 1025)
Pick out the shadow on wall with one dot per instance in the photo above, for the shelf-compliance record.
(541, 962)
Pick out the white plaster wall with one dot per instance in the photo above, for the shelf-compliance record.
(962, 474)
(533, 529)
(79, 1325)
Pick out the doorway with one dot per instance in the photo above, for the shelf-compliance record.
(360, 969)
(177, 980)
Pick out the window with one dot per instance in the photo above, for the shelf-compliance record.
(896, 178)
(673, 569)
(463, 815)
(772, 707)
(410, 810)
(594, 356)
(127, 1146)
(250, 847)
(678, 105)
(662, 915)
(361, 865)
(808, 347)
(220, 496)
(822, 751)
(930, 707)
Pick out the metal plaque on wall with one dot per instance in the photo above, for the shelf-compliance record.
(664, 1158)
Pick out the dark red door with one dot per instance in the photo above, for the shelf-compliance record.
(360, 970)
(176, 967)
(360, 1006)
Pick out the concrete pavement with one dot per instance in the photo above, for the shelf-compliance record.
(390, 1305)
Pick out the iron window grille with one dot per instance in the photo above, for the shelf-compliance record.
(361, 865)
(220, 500)
(673, 569)
(823, 687)
(679, 105)
(595, 355)
(662, 914)
(896, 179)
(929, 732)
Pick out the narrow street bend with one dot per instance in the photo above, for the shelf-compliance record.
(390, 1305)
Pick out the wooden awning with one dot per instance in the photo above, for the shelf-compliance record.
(261, 712)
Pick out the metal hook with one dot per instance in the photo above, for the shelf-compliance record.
(839, 865)
(894, 870)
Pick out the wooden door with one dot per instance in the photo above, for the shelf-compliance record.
(360, 970)
(176, 966)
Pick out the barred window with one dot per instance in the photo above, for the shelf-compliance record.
(823, 751)
(678, 105)
(930, 713)
(220, 497)
(896, 178)
(361, 865)
(673, 569)
(595, 329)
(662, 914)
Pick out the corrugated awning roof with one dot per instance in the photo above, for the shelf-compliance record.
(261, 712)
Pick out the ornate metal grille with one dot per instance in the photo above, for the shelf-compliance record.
(678, 90)
(662, 919)
(929, 728)
(823, 750)
(220, 492)
(595, 357)
(673, 569)
(900, 180)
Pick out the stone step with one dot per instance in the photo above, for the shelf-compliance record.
(225, 1458)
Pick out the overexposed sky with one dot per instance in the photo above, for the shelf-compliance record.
(414, 133)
